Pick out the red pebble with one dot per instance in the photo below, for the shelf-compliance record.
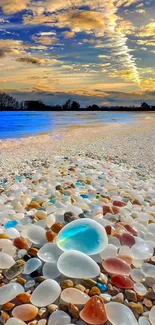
(119, 204)
(131, 230)
(122, 281)
(127, 239)
(108, 230)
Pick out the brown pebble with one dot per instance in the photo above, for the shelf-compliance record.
(152, 204)
(40, 279)
(33, 251)
(137, 308)
(67, 284)
(74, 311)
(107, 209)
(118, 298)
(87, 291)
(89, 283)
(148, 303)
(21, 280)
(21, 243)
(63, 307)
(51, 308)
(80, 287)
(50, 235)
(8, 306)
(113, 291)
(94, 291)
(33, 205)
(150, 294)
(56, 227)
(41, 214)
(23, 298)
(131, 295)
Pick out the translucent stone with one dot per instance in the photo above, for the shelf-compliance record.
(84, 235)
(119, 314)
(127, 239)
(148, 269)
(49, 253)
(32, 265)
(5, 242)
(122, 281)
(50, 270)
(25, 312)
(78, 265)
(140, 289)
(6, 261)
(143, 321)
(15, 321)
(12, 233)
(114, 241)
(74, 296)
(59, 317)
(137, 275)
(9, 292)
(9, 249)
(142, 251)
(36, 235)
(46, 293)
(125, 250)
(151, 228)
(109, 251)
(50, 220)
(11, 223)
(94, 311)
(115, 265)
(152, 315)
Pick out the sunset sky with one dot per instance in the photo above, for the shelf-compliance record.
(92, 51)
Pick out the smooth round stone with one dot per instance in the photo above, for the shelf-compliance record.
(11, 224)
(6, 261)
(50, 220)
(148, 269)
(5, 242)
(114, 241)
(150, 282)
(50, 270)
(140, 289)
(122, 281)
(59, 317)
(32, 265)
(137, 275)
(74, 296)
(143, 321)
(142, 250)
(84, 235)
(152, 315)
(49, 253)
(25, 312)
(119, 314)
(109, 251)
(127, 239)
(15, 321)
(125, 250)
(12, 233)
(36, 235)
(10, 250)
(115, 265)
(9, 292)
(94, 311)
(151, 228)
(15, 270)
(46, 293)
(75, 264)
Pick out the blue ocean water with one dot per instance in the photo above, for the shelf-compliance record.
(20, 124)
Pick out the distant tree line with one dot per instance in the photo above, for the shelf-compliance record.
(8, 103)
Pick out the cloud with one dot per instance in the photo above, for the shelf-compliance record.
(68, 34)
(147, 42)
(147, 30)
(45, 39)
(148, 84)
(13, 6)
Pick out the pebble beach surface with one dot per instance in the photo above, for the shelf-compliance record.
(77, 227)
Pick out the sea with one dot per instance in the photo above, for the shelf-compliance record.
(17, 124)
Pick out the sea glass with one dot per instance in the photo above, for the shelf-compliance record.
(36, 235)
(15, 321)
(9, 292)
(142, 250)
(25, 312)
(78, 265)
(49, 252)
(119, 314)
(148, 269)
(94, 311)
(122, 281)
(32, 265)
(74, 296)
(6, 261)
(46, 293)
(50, 270)
(115, 265)
(109, 251)
(127, 239)
(84, 235)
(59, 317)
(152, 315)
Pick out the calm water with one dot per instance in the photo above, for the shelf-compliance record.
(21, 124)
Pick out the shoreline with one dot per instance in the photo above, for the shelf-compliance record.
(132, 142)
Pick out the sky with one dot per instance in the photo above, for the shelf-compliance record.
(92, 51)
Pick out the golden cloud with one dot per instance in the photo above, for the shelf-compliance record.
(147, 30)
(13, 6)
(148, 84)
(68, 34)
(45, 40)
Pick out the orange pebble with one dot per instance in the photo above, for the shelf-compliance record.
(33, 251)
(50, 235)
(25, 312)
(4, 236)
(21, 280)
(33, 205)
(4, 317)
(125, 258)
(8, 306)
(21, 243)
(23, 297)
(56, 227)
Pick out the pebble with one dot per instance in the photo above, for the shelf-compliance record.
(15, 270)
(15, 321)
(59, 317)
(20, 242)
(25, 312)
(94, 311)
(9, 291)
(67, 284)
(46, 293)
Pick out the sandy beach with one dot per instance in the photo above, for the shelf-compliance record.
(132, 143)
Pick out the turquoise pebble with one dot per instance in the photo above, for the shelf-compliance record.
(66, 194)
(11, 224)
(85, 196)
(102, 287)
(78, 184)
(19, 178)
(52, 201)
